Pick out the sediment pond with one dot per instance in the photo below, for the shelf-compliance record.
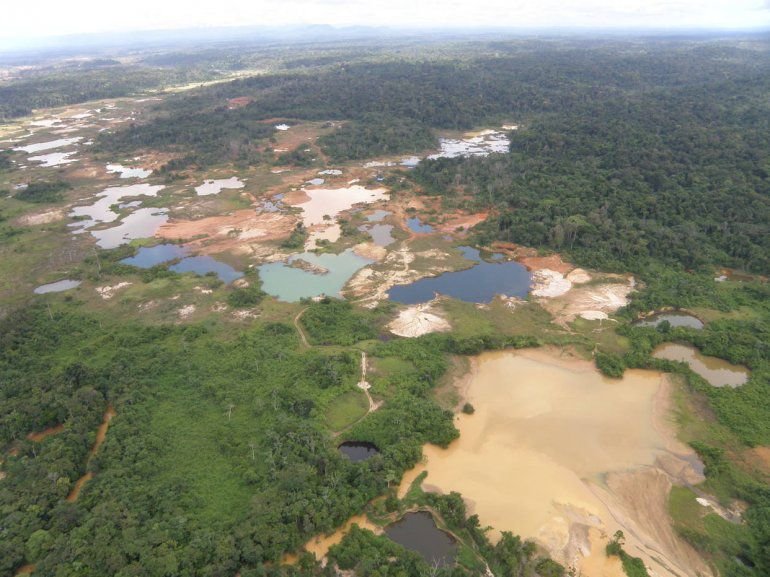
(718, 372)
(674, 318)
(290, 284)
(549, 439)
(478, 284)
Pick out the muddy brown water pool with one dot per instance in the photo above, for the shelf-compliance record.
(535, 458)
(675, 319)
(718, 372)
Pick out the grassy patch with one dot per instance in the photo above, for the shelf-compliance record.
(346, 409)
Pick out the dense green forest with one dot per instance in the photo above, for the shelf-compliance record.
(249, 404)
(84, 81)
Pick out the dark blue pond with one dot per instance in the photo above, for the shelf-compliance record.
(205, 264)
(358, 450)
(478, 284)
(416, 225)
(148, 257)
(418, 532)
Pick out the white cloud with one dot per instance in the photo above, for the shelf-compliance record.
(33, 18)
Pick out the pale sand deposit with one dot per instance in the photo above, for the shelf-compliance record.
(418, 320)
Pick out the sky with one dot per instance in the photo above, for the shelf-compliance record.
(29, 19)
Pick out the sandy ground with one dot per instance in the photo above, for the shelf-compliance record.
(43, 217)
(592, 302)
(107, 292)
(465, 221)
(418, 320)
(371, 251)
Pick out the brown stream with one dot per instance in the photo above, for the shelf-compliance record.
(101, 434)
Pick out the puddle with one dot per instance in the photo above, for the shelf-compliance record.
(675, 319)
(290, 284)
(478, 284)
(535, 456)
(380, 233)
(50, 145)
(330, 172)
(273, 205)
(718, 372)
(210, 187)
(127, 172)
(416, 225)
(357, 451)
(315, 181)
(57, 287)
(202, 265)
(418, 532)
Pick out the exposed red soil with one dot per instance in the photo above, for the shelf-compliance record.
(238, 102)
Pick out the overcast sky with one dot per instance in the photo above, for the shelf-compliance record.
(27, 19)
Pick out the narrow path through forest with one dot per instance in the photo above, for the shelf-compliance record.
(302, 336)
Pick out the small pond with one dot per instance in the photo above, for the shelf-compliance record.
(128, 172)
(53, 159)
(57, 287)
(202, 265)
(718, 372)
(50, 145)
(148, 257)
(210, 187)
(357, 451)
(675, 319)
(142, 223)
(478, 284)
(418, 532)
(380, 233)
(416, 225)
(332, 271)
(378, 215)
